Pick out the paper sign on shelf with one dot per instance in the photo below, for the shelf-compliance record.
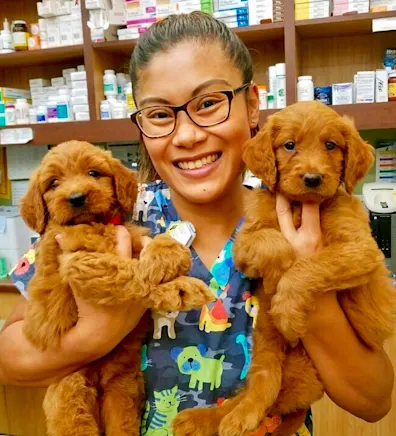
(384, 24)
(16, 136)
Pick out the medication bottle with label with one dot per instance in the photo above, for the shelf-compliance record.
(2, 114)
(32, 115)
(10, 114)
(392, 87)
(121, 82)
(6, 37)
(41, 114)
(305, 89)
(271, 101)
(130, 102)
(119, 110)
(280, 86)
(20, 35)
(22, 111)
(110, 83)
(105, 110)
(262, 91)
(63, 106)
(52, 109)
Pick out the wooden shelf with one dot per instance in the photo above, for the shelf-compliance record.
(40, 57)
(6, 286)
(91, 131)
(261, 32)
(337, 26)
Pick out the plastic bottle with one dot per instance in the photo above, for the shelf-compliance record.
(22, 111)
(110, 83)
(6, 36)
(42, 22)
(20, 35)
(119, 110)
(63, 106)
(121, 82)
(280, 86)
(105, 110)
(2, 114)
(52, 109)
(130, 102)
(271, 101)
(10, 114)
(272, 79)
(262, 90)
(305, 88)
(32, 115)
(41, 114)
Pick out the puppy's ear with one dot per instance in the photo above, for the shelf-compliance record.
(359, 156)
(259, 156)
(126, 186)
(33, 210)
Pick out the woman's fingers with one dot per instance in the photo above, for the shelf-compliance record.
(124, 244)
(285, 217)
(310, 218)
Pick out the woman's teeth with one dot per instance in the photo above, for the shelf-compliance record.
(191, 165)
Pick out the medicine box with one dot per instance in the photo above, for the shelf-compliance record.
(79, 84)
(80, 108)
(382, 5)
(78, 75)
(81, 116)
(342, 93)
(58, 81)
(79, 92)
(365, 87)
(39, 83)
(381, 86)
(53, 33)
(81, 99)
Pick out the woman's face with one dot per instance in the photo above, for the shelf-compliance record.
(198, 163)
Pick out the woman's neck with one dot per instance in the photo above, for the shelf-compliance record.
(221, 215)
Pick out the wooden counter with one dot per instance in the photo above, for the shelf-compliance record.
(6, 286)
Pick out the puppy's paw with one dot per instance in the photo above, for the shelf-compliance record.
(245, 256)
(182, 293)
(289, 311)
(195, 422)
(244, 419)
(164, 259)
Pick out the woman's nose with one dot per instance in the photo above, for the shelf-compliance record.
(187, 133)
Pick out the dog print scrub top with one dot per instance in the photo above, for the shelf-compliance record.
(196, 358)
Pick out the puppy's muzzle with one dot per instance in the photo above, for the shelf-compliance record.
(77, 200)
(312, 180)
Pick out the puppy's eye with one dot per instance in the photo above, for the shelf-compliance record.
(330, 145)
(53, 183)
(290, 145)
(94, 173)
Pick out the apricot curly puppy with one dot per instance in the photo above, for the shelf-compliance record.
(310, 154)
(79, 191)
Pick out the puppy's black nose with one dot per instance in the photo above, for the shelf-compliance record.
(77, 200)
(312, 180)
(190, 360)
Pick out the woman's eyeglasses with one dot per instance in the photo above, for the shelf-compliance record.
(204, 110)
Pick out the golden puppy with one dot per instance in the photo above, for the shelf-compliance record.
(81, 192)
(310, 154)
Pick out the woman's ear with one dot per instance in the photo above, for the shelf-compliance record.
(359, 156)
(253, 106)
(125, 185)
(259, 156)
(33, 210)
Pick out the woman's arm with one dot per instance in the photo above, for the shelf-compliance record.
(98, 330)
(356, 378)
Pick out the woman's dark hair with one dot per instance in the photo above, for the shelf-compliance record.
(165, 34)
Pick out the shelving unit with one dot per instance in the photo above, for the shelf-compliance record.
(330, 49)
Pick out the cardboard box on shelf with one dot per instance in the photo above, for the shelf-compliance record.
(53, 32)
(365, 87)
(382, 5)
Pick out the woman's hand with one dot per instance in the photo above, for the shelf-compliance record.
(307, 239)
(103, 327)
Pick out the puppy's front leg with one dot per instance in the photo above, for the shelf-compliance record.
(263, 253)
(337, 267)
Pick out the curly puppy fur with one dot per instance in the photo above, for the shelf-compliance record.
(307, 152)
(76, 192)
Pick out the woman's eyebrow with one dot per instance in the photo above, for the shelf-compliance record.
(197, 90)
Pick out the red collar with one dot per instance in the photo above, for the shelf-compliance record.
(116, 220)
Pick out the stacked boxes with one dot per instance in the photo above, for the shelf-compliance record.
(60, 23)
(343, 7)
(79, 89)
(10, 95)
(311, 9)
(382, 5)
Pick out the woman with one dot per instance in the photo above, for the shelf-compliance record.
(192, 79)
